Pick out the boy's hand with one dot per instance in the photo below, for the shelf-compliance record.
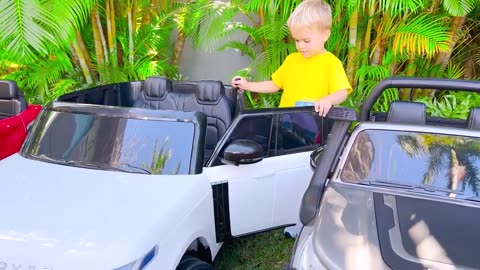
(322, 106)
(240, 82)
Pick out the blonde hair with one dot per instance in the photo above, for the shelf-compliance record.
(311, 13)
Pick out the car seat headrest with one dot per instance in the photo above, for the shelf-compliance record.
(157, 88)
(8, 90)
(407, 113)
(473, 120)
(210, 92)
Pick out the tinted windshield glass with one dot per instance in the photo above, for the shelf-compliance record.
(443, 162)
(108, 142)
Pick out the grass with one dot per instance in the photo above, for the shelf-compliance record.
(264, 251)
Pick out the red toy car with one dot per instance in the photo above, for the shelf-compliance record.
(15, 116)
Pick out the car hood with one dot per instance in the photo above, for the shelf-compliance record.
(62, 217)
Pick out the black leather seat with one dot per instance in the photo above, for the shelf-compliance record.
(407, 112)
(11, 99)
(211, 100)
(156, 95)
(473, 120)
(208, 97)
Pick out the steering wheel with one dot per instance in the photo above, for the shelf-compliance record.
(411, 82)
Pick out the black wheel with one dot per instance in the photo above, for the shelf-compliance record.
(193, 263)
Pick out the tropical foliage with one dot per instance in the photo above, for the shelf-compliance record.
(92, 42)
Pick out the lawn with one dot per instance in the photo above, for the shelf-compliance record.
(264, 251)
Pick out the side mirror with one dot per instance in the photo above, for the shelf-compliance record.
(242, 152)
(315, 157)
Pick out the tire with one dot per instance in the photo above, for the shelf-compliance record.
(193, 263)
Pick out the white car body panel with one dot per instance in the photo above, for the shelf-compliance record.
(88, 226)
(267, 194)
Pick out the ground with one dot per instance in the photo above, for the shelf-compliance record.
(264, 251)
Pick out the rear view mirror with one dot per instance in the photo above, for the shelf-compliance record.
(315, 157)
(242, 152)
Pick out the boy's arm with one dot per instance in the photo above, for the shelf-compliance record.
(323, 105)
(262, 87)
(337, 97)
(258, 87)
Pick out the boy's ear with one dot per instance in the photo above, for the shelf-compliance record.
(327, 34)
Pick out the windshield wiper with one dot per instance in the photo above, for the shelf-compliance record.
(124, 167)
(474, 198)
(138, 169)
(128, 168)
(379, 183)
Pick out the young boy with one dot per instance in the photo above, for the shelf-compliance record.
(312, 75)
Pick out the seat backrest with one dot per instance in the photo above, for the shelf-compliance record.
(11, 100)
(211, 100)
(156, 95)
(407, 112)
(473, 120)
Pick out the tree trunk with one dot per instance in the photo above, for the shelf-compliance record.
(378, 53)
(434, 6)
(82, 62)
(130, 22)
(111, 29)
(444, 57)
(102, 35)
(83, 47)
(368, 33)
(357, 62)
(152, 10)
(352, 41)
(178, 49)
(457, 173)
(99, 50)
(410, 71)
(367, 39)
(469, 73)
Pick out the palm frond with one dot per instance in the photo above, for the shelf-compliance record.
(275, 31)
(212, 25)
(438, 156)
(411, 145)
(28, 27)
(60, 87)
(459, 7)
(422, 35)
(285, 8)
(68, 13)
(270, 60)
(454, 71)
(376, 73)
(399, 7)
(241, 47)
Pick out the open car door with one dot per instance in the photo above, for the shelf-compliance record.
(264, 191)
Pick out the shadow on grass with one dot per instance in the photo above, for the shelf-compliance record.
(264, 251)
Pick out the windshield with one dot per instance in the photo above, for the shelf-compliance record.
(423, 162)
(113, 143)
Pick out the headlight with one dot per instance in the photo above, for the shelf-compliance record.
(141, 262)
(304, 257)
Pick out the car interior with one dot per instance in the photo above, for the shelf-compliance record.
(220, 103)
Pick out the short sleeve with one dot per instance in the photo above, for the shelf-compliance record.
(338, 79)
(279, 76)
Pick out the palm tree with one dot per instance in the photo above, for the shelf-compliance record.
(92, 42)
(457, 153)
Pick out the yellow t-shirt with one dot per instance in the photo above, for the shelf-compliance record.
(309, 79)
